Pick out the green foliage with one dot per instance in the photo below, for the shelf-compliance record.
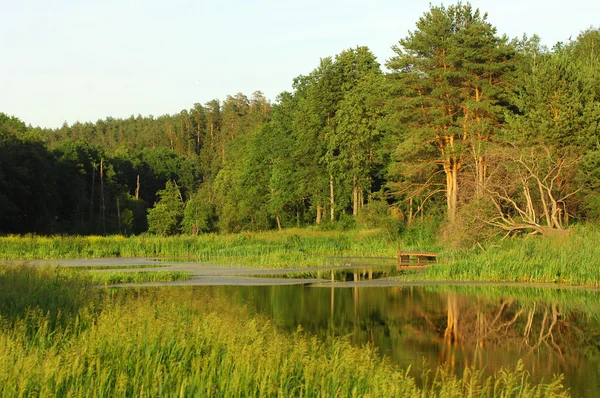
(344, 222)
(132, 215)
(165, 217)
(422, 234)
(352, 137)
(377, 214)
(11, 126)
(457, 97)
(198, 217)
(557, 128)
(159, 165)
(450, 78)
(557, 99)
(28, 198)
(283, 185)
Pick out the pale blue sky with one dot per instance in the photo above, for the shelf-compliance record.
(81, 60)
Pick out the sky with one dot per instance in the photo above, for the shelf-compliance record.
(81, 60)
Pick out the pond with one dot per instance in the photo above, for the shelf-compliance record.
(551, 330)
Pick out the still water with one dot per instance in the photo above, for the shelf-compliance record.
(551, 330)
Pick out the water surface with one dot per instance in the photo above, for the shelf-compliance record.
(551, 330)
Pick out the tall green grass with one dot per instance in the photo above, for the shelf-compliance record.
(288, 248)
(56, 293)
(570, 258)
(168, 342)
(117, 277)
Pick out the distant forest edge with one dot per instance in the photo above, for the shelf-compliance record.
(490, 134)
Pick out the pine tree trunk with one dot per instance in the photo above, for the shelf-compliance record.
(278, 222)
(480, 171)
(361, 199)
(331, 198)
(355, 199)
(137, 188)
(319, 213)
(451, 170)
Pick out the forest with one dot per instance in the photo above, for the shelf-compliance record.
(477, 133)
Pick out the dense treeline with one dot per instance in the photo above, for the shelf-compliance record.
(491, 134)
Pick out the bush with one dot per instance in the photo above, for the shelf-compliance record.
(377, 214)
(422, 233)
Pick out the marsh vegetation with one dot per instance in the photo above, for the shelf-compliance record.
(59, 337)
(563, 259)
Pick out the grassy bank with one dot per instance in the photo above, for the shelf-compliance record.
(166, 342)
(294, 247)
(569, 258)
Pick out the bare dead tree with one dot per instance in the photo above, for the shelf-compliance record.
(417, 190)
(529, 190)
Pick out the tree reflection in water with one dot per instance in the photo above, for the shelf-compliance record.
(552, 330)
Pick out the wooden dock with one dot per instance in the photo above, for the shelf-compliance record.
(415, 258)
(405, 259)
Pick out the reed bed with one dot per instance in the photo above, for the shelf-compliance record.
(295, 247)
(569, 258)
(181, 342)
(117, 277)
(58, 293)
